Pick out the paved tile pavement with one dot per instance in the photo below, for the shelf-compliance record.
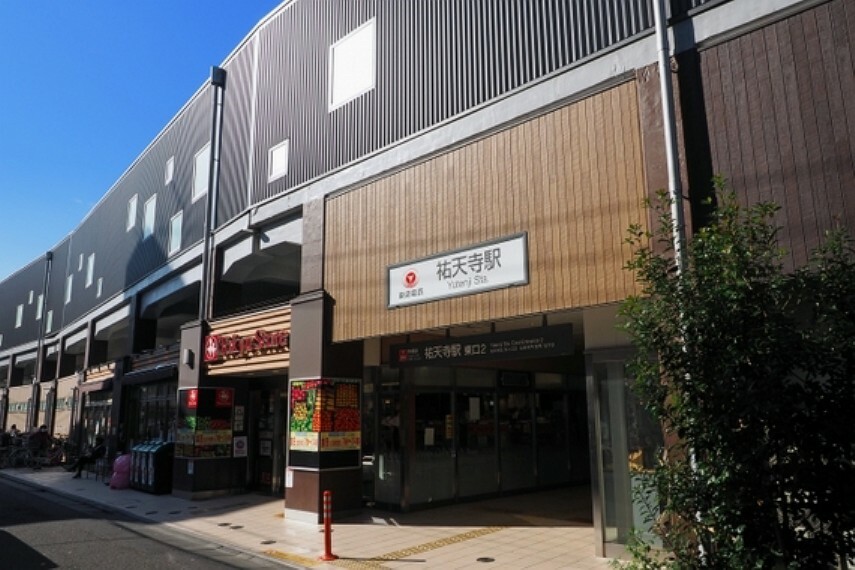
(492, 534)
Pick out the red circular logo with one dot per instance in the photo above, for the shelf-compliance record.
(212, 349)
(411, 279)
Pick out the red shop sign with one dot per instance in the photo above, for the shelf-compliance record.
(220, 347)
(224, 398)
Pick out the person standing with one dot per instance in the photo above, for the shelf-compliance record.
(39, 442)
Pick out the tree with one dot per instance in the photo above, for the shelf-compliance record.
(750, 369)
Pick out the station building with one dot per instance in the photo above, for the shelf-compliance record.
(381, 252)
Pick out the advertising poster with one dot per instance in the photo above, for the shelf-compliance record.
(239, 447)
(325, 406)
(204, 429)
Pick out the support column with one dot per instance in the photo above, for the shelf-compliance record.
(189, 376)
(312, 356)
(4, 405)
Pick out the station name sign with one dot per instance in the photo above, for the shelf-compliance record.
(483, 267)
(529, 343)
(221, 347)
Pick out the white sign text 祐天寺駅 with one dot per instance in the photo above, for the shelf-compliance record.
(483, 267)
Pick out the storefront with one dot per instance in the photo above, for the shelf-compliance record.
(232, 422)
(96, 405)
(149, 410)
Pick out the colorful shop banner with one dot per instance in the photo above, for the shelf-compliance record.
(483, 267)
(304, 441)
(213, 437)
(324, 415)
(205, 421)
(341, 440)
(528, 343)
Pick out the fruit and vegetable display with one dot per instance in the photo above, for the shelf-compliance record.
(324, 406)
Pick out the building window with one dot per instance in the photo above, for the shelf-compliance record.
(19, 316)
(49, 321)
(100, 288)
(40, 302)
(277, 160)
(30, 302)
(175, 232)
(90, 270)
(170, 170)
(69, 282)
(352, 65)
(132, 213)
(148, 216)
(80, 263)
(201, 167)
(1, 339)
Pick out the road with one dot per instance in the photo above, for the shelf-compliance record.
(41, 530)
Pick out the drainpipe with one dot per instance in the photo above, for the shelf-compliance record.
(206, 295)
(670, 126)
(678, 234)
(40, 343)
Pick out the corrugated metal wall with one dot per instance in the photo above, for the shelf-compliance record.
(16, 291)
(435, 60)
(235, 162)
(56, 292)
(681, 7)
(124, 257)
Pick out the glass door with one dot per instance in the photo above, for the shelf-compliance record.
(554, 464)
(385, 464)
(432, 461)
(517, 429)
(477, 463)
(628, 442)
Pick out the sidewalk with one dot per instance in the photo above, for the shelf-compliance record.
(490, 534)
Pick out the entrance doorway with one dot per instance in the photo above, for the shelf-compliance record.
(477, 455)
(267, 432)
(627, 443)
(465, 433)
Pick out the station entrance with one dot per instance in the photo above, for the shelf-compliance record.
(439, 435)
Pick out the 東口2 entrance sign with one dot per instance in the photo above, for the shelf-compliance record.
(528, 343)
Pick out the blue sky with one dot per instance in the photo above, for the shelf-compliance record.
(85, 85)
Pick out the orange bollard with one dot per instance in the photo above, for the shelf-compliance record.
(328, 555)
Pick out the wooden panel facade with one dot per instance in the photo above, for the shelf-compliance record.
(267, 360)
(573, 179)
(781, 120)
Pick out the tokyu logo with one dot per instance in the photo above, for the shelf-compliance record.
(411, 279)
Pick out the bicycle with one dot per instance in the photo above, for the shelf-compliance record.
(68, 449)
(20, 457)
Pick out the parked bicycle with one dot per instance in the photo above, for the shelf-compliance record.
(20, 457)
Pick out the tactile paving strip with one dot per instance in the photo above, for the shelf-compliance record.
(376, 562)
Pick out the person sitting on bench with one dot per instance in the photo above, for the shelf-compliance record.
(94, 454)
